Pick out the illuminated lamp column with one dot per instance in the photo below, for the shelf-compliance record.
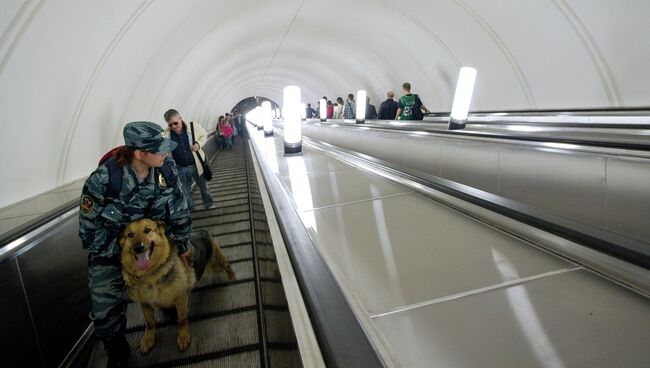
(252, 118)
(259, 122)
(303, 111)
(292, 124)
(462, 98)
(361, 106)
(278, 115)
(323, 109)
(267, 112)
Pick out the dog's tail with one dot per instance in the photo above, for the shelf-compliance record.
(218, 262)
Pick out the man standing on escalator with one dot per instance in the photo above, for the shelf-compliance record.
(186, 154)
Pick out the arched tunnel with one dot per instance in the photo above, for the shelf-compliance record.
(555, 158)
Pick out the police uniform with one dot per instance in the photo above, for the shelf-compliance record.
(101, 218)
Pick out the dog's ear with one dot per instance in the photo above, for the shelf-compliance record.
(161, 226)
(122, 238)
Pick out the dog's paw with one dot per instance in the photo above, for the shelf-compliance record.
(183, 339)
(148, 341)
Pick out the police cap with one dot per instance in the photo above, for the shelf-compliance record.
(147, 136)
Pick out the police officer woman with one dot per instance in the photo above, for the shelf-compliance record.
(138, 181)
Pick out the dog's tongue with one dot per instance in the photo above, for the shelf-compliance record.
(143, 260)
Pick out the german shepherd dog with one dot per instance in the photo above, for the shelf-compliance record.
(157, 277)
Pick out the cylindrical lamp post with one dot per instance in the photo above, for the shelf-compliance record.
(462, 98)
(292, 120)
(361, 106)
(258, 118)
(323, 109)
(267, 117)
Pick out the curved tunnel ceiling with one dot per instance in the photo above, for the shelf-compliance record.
(72, 73)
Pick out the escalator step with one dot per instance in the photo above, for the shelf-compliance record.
(280, 358)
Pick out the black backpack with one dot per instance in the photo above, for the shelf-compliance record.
(417, 109)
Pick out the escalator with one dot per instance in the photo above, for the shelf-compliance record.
(240, 323)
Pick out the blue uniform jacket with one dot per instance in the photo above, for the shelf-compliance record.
(101, 219)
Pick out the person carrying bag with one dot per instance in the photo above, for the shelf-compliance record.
(189, 157)
(207, 170)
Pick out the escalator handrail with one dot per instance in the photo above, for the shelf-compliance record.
(542, 141)
(16, 239)
(342, 340)
(607, 111)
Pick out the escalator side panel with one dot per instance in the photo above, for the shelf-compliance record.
(55, 277)
(17, 339)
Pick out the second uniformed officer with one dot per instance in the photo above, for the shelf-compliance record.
(137, 181)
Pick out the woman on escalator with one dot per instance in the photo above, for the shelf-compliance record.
(137, 180)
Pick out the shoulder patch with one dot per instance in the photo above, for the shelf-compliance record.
(87, 204)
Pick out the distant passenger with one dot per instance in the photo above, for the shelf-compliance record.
(388, 108)
(350, 108)
(311, 113)
(239, 124)
(338, 109)
(230, 122)
(225, 131)
(330, 109)
(410, 106)
(188, 147)
(371, 110)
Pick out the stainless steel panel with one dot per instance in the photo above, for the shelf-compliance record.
(350, 138)
(387, 146)
(563, 179)
(17, 339)
(568, 184)
(55, 277)
(329, 131)
(628, 197)
(337, 187)
(310, 162)
(423, 154)
(408, 249)
(471, 163)
(445, 290)
(575, 319)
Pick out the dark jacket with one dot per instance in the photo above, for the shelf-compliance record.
(371, 112)
(388, 110)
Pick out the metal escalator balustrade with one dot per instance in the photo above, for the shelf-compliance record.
(596, 185)
(438, 291)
